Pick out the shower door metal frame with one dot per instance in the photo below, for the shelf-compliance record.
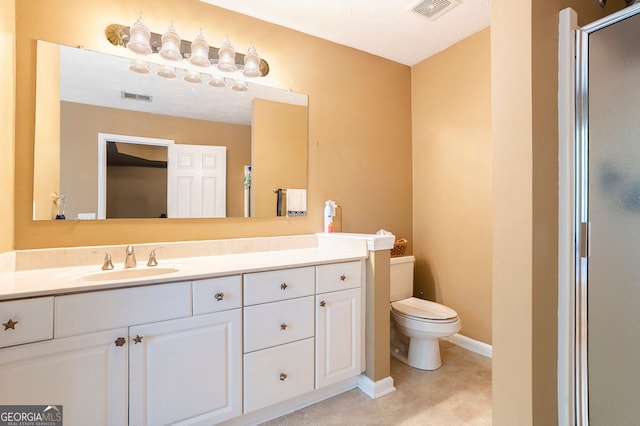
(582, 224)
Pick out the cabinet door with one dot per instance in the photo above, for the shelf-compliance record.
(186, 370)
(86, 375)
(338, 336)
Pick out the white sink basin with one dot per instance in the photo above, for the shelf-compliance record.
(127, 274)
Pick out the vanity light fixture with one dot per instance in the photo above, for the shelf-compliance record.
(193, 77)
(217, 81)
(140, 37)
(174, 51)
(170, 49)
(167, 71)
(199, 52)
(251, 63)
(227, 57)
(240, 86)
(140, 66)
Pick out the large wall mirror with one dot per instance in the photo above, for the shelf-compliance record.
(104, 137)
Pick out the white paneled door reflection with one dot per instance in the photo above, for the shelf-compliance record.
(196, 181)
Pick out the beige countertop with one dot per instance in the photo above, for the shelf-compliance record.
(50, 281)
(45, 272)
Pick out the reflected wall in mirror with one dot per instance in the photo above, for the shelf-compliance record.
(81, 94)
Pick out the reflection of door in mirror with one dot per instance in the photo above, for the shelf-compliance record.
(197, 181)
(136, 180)
(132, 177)
(141, 177)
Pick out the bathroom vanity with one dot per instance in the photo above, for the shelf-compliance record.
(230, 337)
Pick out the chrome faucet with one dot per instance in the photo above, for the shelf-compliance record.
(130, 260)
(152, 258)
(107, 265)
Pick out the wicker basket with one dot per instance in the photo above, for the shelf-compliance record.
(399, 247)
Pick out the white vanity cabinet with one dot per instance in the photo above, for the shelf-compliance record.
(339, 320)
(201, 352)
(302, 331)
(25, 321)
(187, 370)
(86, 374)
(134, 356)
(278, 336)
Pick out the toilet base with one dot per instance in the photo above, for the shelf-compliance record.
(424, 354)
(418, 353)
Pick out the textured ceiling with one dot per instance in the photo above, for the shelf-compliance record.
(93, 78)
(385, 28)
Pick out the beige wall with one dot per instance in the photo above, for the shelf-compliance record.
(276, 153)
(7, 129)
(524, 79)
(136, 192)
(359, 138)
(451, 120)
(359, 147)
(81, 124)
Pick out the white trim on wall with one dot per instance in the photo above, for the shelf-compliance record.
(472, 345)
(568, 24)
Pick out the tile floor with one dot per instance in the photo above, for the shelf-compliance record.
(458, 393)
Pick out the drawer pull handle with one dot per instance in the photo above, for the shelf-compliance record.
(11, 324)
(219, 296)
(283, 286)
(138, 339)
(283, 376)
(283, 326)
(323, 303)
(343, 277)
(120, 341)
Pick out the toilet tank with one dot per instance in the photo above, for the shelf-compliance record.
(401, 281)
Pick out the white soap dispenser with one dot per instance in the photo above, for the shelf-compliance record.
(329, 213)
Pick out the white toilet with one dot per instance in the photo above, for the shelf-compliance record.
(417, 324)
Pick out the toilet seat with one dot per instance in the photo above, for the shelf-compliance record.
(423, 310)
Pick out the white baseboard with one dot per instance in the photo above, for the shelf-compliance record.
(376, 389)
(470, 344)
(293, 404)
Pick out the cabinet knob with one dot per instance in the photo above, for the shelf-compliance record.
(283, 286)
(120, 341)
(323, 303)
(138, 339)
(219, 296)
(283, 376)
(283, 326)
(343, 277)
(11, 324)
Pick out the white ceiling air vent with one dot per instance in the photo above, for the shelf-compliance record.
(432, 9)
(136, 96)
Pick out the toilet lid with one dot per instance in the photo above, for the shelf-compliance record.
(420, 308)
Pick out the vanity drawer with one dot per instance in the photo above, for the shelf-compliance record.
(217, 294)
(24, 321)
(338, 276)
(104, 310)
(276, 374)
(261, 287)
(272, 324)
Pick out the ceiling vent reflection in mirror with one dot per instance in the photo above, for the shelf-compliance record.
(197, 59)
(432, 9)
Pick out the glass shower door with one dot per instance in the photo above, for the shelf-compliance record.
(612, 199)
